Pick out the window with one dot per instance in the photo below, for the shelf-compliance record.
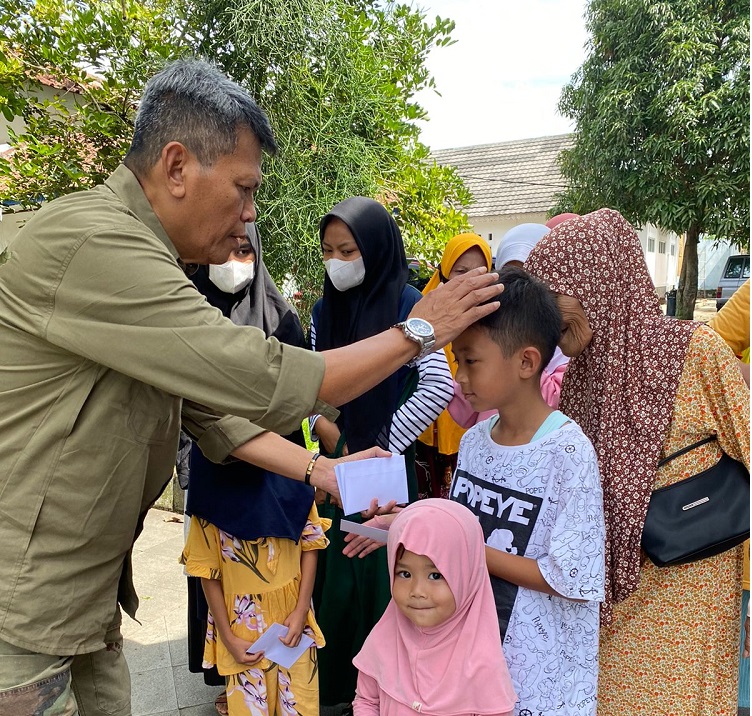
(661, 247)
(490, 238)
(735, 267)
(651, 245)
(673, 249)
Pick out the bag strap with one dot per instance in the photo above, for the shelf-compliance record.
(687, 449)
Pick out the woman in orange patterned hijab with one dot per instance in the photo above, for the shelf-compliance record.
(642, 386)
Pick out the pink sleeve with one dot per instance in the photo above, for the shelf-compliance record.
(462, 412)
(551, 385)
(366, 702)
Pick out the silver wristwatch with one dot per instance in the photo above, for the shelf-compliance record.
(420, 331)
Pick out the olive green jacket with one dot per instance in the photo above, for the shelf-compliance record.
(103, 343)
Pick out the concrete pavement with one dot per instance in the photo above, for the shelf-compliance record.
(156, 648)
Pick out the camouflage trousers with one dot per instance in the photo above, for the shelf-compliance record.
(96, 684)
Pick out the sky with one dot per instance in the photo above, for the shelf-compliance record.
(502, 78)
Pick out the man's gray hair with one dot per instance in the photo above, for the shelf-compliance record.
(192, 102)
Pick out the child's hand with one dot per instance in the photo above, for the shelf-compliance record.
(374, 509)
(295, 624)
(360, 546)
(238, 647)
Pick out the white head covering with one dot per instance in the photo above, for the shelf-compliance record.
(518, 242)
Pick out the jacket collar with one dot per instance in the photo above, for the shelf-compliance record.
(124, 184)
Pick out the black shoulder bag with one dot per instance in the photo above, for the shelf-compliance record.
(699, 517)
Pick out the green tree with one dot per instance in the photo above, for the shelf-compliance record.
(95, 55)
(661, 106)
(335, 76)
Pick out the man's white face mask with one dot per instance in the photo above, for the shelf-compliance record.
(232, 276)
(346, 274)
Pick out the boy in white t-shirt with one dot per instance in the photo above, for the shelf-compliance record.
(531, 477)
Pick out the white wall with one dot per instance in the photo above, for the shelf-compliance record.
(661, 265)
(492, 228)
(661, 250)
(42, 92)
(711, 261)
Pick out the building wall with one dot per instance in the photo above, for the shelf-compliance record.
(492, 228)
(661, 248)
(711, 260)
(43, 92)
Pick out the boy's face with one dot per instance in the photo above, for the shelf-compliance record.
(484, 373)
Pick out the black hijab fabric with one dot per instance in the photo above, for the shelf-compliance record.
(260, 304)
(242, 500)
(363, 311)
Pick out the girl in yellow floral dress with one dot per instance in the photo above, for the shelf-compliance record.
(250, 584)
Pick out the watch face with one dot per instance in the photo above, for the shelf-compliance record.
(420, 327)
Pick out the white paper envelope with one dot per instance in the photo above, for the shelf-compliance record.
(375, 533)
(276, 651)
(381, 477)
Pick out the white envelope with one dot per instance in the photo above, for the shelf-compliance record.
(360, 481)
(375, 533)
(275, 650)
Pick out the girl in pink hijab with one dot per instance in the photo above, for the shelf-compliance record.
(437, 649)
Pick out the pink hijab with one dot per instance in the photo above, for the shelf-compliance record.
(621, 389)
(457, 667)
(554, 221)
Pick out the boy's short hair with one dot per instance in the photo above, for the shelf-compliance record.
(528, 316)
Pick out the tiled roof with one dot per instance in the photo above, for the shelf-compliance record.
(518, 177)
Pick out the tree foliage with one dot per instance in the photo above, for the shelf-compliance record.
(661, 106)
(95, 57)
(337, 78)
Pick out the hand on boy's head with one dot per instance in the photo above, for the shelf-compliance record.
(455, 305)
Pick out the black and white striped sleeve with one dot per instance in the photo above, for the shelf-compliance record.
(435, 390)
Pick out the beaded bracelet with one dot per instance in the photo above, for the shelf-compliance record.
(309, 469)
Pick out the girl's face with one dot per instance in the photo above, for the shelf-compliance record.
(244, 254)
(472, 258)
(420, 591)
(338, 242)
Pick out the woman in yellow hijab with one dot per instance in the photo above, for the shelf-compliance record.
(437, 450)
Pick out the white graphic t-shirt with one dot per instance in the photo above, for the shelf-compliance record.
(542, 500)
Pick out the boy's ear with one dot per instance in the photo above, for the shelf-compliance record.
(530, 362)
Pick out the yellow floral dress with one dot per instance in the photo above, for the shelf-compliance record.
(672, 648)
(260, 582)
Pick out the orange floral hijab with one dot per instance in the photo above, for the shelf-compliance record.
(621, 389)
(444, 433)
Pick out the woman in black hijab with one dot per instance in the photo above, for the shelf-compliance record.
(365, 292)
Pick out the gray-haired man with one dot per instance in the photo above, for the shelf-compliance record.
(107, 347)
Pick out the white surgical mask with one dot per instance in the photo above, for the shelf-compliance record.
(232, 276)
(346, 274)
